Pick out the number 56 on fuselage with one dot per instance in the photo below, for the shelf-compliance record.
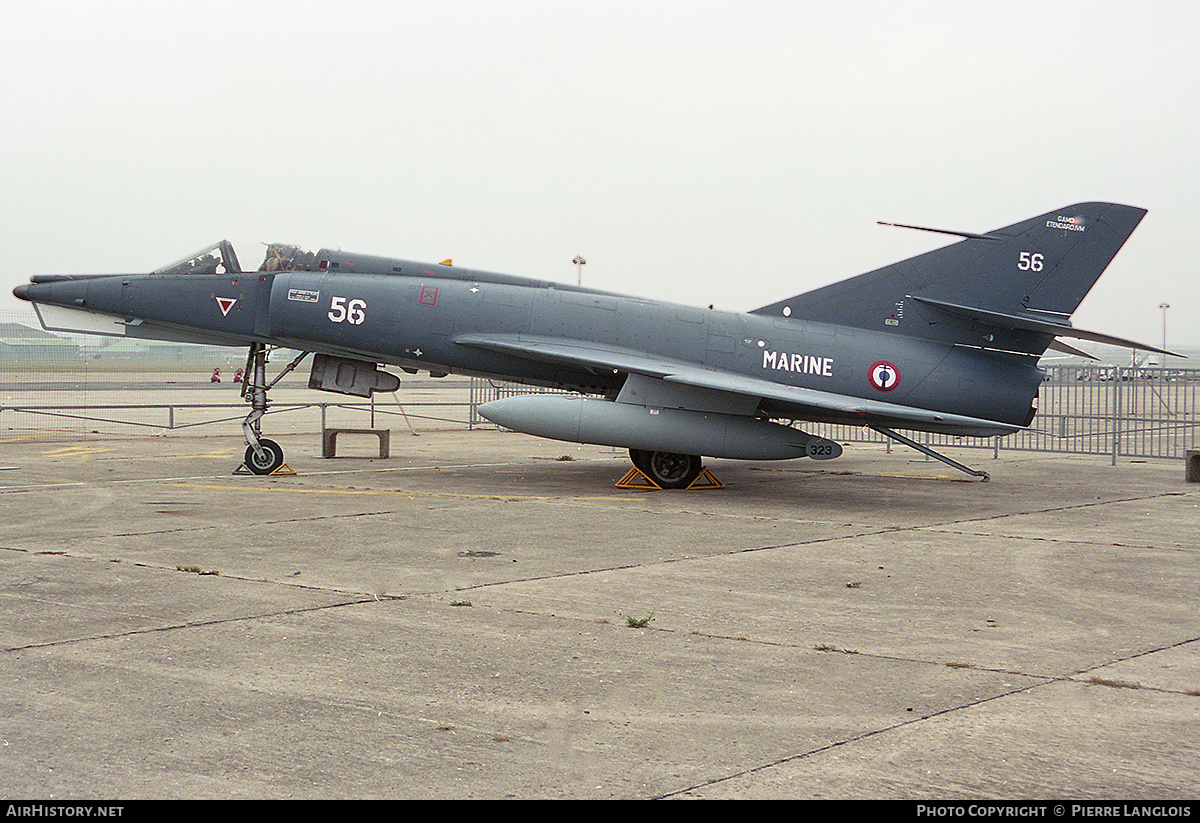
(947, 341)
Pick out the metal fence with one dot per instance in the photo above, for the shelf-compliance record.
(1124, 412)
(1113, 411)
(75, 406)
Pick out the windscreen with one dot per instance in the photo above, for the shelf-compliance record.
(218, 258)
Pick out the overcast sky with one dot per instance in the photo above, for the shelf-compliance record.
(732, 153)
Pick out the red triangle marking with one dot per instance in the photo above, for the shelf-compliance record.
(226, 303)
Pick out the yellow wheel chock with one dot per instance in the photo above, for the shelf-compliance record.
(635, 478)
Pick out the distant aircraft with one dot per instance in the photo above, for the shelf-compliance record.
(946, 341)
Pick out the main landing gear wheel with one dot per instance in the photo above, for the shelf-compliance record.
(641, 459)
(667, 469)
(270, 459)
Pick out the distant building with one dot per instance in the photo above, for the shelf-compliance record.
(24, 344)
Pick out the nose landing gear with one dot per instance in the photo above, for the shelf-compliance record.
(263, 456)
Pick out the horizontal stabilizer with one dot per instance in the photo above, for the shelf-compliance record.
(1034, 324)
(1058, 345)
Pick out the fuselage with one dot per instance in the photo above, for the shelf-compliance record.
(416, 315)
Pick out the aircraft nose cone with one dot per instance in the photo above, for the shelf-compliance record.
(22, 291)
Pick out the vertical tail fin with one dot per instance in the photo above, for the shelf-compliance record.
(1023, 280)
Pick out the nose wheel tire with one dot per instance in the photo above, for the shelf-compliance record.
(270, 460)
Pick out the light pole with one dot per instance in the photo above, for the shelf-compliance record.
(579, 261)
(1164, 307)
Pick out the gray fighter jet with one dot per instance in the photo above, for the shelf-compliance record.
(947, 341)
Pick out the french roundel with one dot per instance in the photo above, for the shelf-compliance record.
(884, 375)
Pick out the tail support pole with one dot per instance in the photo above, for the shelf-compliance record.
(983, 476)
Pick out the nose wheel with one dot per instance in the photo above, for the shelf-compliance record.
(263, 456)
(266, 459)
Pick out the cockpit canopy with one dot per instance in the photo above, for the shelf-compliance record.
(220, 258)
